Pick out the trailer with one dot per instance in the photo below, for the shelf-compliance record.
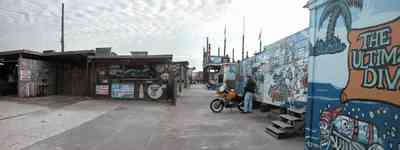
(354, 76)
(281, 73)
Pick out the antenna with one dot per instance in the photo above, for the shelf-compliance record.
(62, 26)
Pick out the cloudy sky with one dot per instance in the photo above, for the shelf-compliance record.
(177, 27)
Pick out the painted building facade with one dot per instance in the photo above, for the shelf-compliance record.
(133, 77)
(280, 72)
(27, 73)
(354, 75)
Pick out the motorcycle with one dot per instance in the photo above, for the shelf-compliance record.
(226, 99)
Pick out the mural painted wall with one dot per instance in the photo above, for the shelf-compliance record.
(281, 71)
(245, 70)
(354, 93)
(285, 74)
(230, 75)
(132, 81)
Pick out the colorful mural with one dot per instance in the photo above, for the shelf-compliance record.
(354, 96)
(245, 69)
(230, 75)
(280, 71)
(131, 71)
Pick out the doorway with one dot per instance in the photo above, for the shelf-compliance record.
(8, 77)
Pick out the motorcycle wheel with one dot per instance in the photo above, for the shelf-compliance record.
(240, 106)
(217, 105)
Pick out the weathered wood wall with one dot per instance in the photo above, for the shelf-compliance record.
(36, 78)
(72, 79)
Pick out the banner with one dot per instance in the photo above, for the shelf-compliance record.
(374, 60)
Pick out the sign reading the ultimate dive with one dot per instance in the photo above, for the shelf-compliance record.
(374, 61)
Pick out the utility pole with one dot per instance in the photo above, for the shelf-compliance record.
(224, 40)
(62, 27)
(233, 54)
(260, 39)
(243, 38)
(204, 55)
(207, 48)
(219, 51)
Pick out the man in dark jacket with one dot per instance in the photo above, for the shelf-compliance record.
(249, 91)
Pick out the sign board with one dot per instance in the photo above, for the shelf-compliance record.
(215, 60)
(25, 75)
(102, 90)
(374, 63)
(122, 90)
(154, 91)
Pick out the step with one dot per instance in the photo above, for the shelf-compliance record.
(275, 132)
(297, 110)
(289, 117)
(281, 124)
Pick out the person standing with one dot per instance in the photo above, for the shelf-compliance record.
(249, 91)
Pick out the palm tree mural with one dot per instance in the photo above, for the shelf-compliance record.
(333, 10)
(336, 8)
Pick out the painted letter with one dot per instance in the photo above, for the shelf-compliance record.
(369, 83)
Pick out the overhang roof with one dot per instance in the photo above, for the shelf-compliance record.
(146, 58)
(77, 52)
(20, 51)
(182, 62)
(31, 52)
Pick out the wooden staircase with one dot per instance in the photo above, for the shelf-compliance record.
(289, 124)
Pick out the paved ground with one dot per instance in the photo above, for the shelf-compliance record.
(24, 130)
(189, 125)
(9, 109)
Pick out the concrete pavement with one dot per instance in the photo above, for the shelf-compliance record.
(9, 109)
(189, 125)
(24, 130)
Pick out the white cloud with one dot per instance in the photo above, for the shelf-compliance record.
(160, 26)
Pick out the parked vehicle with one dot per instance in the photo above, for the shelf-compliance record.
(226, 98)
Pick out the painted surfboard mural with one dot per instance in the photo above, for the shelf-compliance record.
(354, 76)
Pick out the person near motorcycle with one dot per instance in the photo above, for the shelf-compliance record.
(249, 91)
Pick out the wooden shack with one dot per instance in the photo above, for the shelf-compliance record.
(27, 73)
(130, 77)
